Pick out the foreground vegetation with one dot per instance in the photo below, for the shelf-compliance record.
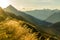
(13, 29)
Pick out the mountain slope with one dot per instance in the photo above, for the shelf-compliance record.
(25, 15)
(48, 15)
(3, 15)
(54, 18)
(10, 20)
(56, 28)
(40, 14)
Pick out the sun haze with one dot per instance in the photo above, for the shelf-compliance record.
(4, 3)
(35, 4)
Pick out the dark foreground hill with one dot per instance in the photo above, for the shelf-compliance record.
(13, 27)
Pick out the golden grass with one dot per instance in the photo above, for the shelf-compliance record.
(13, 30)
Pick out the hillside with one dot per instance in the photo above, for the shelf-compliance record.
(54, 18)
(40, 14)
(13, 28)
(27, 17)
(56, 28)
(48, 15)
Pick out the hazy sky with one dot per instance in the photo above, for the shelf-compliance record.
(35, 4)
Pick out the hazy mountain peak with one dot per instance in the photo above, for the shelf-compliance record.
(11, 7)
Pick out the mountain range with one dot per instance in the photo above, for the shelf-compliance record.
(51, 16)
(45, 31)
(40, 24)
(48, 15)
(27, 17)
(44, 17)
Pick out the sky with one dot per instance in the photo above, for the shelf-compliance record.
(35, 4)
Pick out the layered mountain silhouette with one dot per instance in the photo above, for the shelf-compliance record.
(29, 20)
(40, 24)
(26, 16)
(48, 15)
(54, 18)
(40, 14)
(40, 18)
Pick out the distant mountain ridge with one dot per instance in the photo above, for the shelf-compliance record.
(40, 14)
(40, 24)
(9, 16)
(54, 18)
(46, 15)
(27, 17)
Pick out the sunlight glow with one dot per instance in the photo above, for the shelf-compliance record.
(4, 3)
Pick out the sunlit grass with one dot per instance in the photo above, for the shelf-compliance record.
(13, 30)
